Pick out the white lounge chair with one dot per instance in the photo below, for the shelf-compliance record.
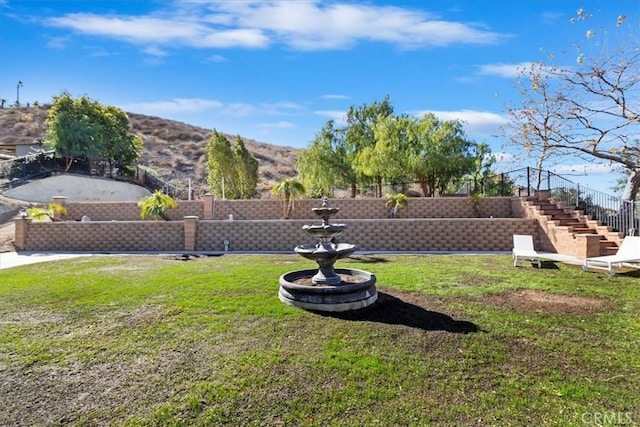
(628, 252)
(523, 250)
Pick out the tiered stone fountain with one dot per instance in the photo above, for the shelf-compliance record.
(327, 289)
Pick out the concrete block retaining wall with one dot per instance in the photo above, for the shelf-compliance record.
(124, 211)
(472, 234)
(216, 209)
(438, 207)
(107, 236)
(427, 224)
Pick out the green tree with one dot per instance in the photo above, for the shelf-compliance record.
(438, 152)
(288, 190)
(387, 159)
(360, 140)
(331, 158)
(221, 176)
(117, 142)
(232, 171)
(156, 205)
(482, 162)
(70, 127)
(324, 164)
(83, 127)
(247, 169)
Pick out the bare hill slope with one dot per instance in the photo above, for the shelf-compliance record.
(175, 151)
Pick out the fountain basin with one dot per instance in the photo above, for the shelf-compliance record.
(356, 290)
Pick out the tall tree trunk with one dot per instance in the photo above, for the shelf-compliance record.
(353, 190)
(423, 186)
(68, 162)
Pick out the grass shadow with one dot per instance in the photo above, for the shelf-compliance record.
(368, 259)
(549, 265)
(394, 311)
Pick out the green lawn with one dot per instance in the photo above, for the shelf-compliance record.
(453, 340)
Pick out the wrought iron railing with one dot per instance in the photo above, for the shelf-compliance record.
(621, 215)
(153, 182)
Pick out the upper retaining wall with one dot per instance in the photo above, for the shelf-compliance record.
(125, 211)
(218, 209)
(419, 207)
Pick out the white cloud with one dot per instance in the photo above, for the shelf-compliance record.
(238, 109)
(504, 70)
(216, 58)
(476, 123)
(339, 117)
(173, 106)
(57, 42)
(156, 31)
(311, 25)
(281, 108)
(303, 25)
(335, 96)
(278, 125)
(96, 52)
(155, 51)
(585, 169)
(552, 17)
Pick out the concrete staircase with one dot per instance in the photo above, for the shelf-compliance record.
(555, 217)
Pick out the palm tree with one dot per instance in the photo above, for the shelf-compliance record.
(396, 202)
(156, 205)
(288, 189)
(40, 214)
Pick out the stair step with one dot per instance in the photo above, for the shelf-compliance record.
(583, 230)
(552, 210)
(573, 221)
(608, 251)
(567, 222)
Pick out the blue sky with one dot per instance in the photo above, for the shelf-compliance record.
(277, 70)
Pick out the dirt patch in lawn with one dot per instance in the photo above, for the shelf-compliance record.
(530, 300)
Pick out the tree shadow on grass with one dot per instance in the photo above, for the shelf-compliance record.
(394, 311)
(368, 259)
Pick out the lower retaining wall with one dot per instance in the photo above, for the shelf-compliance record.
(103, 236)
(464, 234)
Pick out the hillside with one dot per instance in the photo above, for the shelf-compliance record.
(175, 151)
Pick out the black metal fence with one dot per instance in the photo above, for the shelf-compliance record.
(151, 181)
(621, 215)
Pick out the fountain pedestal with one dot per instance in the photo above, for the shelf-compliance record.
(327, 289)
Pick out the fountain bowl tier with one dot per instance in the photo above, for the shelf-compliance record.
(325, 251)
(325, 254)
(356, 290)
